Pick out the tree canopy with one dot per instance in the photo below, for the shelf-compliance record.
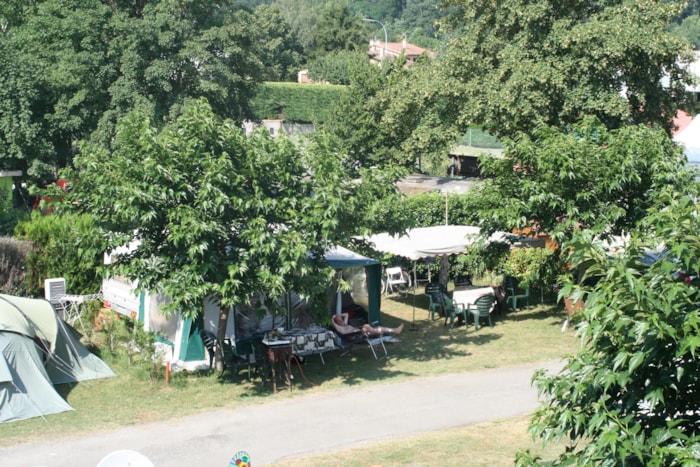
(584, 177)
(512, 66)
(211, 212)
(630, 395)
(394, 115)
(100, 60)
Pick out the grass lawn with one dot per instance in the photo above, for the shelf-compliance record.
(431, 349)
(483, 445)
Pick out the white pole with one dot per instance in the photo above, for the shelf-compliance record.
(386, 37)
(339, 295)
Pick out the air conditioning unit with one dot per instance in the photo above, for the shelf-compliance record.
(54, 287)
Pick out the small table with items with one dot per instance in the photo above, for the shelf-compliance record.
(311, 340)
(278, 349)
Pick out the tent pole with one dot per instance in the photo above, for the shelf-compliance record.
(413, 325)
(339, 294)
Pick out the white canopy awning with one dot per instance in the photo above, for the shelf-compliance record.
(690, 138)
(428, 242)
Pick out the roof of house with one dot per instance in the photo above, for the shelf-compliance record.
(418, 183)
(398, 47)
(681, 122)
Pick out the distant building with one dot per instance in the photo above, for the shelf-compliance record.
(379, 50)
(464, 160)
(418, 183)
(304, 78)
(275, 127)
(694, 88)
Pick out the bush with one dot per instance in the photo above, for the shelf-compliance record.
(533, 267)
(630, 395)
(13, 265)
(63, 245)
(9, 214)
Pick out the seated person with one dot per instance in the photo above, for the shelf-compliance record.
(340, 324)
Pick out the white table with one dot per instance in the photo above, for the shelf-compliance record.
(468, 295)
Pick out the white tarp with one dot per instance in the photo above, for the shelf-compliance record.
(690, 138)
(428, 242)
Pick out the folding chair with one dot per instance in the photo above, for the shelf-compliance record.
(395, 280)
(349, 336)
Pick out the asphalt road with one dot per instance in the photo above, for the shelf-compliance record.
(288, 428)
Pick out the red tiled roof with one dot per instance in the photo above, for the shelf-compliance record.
(681, 121)
(397, 48)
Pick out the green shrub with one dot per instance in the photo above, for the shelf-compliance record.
(533, 267)
(629, 396)
(63, 245)
(9, 214)
(482, 259)
(13, 265)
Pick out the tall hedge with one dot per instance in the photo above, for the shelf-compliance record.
(13, 265)
(63, 245)
(296, 102)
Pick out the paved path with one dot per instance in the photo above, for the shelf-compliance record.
(311, 424)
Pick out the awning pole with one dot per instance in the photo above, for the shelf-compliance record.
(339, 294)
(413, 325)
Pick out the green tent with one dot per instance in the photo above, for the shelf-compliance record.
(341, 258)
(25, 388)
(39, 350)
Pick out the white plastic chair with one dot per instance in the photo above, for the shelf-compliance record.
(395, 279)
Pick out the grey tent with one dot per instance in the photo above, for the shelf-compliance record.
(25, 388)
(38, 350)
(67, 359)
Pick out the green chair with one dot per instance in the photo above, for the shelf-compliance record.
(515, 294)
(231, 359)
(452, 310)
(434, 305)
(245, 353)
(482, 308)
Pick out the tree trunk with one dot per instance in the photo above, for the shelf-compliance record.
(444, 269)
(220, 336)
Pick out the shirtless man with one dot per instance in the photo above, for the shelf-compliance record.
(340, 322)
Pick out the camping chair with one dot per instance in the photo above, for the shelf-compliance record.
(434, 304)
(349, 336)
(482, 308)
(231, 359)
(452, 310)
(245, 350)
(434, 290)
(513, 293)
(395, 278)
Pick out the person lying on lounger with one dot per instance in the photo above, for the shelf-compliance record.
(340, 323)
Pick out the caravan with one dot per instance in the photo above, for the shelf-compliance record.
(182, 334)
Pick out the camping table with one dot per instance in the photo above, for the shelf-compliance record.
(279, 350)
(311, 340)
